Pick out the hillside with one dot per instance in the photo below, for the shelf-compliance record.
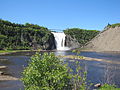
(108, 40)
(24, 36)
(76, 37)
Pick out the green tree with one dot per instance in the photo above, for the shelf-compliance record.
(2, 39)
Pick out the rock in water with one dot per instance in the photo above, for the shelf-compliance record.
(3, 67)
(1, 73)
(97, 85)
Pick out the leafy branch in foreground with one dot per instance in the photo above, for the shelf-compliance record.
(48, 72)
(79, 78)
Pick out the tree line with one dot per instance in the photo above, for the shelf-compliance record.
(15, 36)
(81, 35)
(23, 36)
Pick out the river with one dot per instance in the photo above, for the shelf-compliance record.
(97, 71)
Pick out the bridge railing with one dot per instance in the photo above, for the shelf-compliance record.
(56, 30)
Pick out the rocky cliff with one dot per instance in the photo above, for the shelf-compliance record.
(107, 40)
(71, 42)
(48, 43)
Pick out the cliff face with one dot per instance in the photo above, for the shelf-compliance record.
(71, 42)
(108, 40)
(48, 43)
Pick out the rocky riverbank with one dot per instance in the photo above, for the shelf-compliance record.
(4, 76)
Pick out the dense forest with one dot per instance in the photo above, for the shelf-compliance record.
(24, 36)
(81, 35)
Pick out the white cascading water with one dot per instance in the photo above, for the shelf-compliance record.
(60, 40)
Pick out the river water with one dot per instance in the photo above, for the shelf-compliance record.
(97, 71)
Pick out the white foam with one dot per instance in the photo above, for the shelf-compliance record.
(60, 41)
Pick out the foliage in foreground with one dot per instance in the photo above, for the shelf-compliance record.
(47, 72)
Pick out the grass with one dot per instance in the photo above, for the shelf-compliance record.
(71, 56)
(6, 51)
(108, 87)
(11, 51)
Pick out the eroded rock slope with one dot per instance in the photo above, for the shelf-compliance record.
(108, 40)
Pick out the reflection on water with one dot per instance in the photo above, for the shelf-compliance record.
(5, 61)
(60, 53)
(11, 85)
(97, 71)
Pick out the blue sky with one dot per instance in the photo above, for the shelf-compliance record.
(62, 14)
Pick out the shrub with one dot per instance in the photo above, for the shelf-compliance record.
(46, 72)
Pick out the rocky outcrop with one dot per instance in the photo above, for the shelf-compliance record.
(71, 42)
(48, 43)
(108, 40)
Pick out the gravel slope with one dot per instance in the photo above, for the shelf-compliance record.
(108, 40)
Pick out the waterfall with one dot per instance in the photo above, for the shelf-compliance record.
(60, 40)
